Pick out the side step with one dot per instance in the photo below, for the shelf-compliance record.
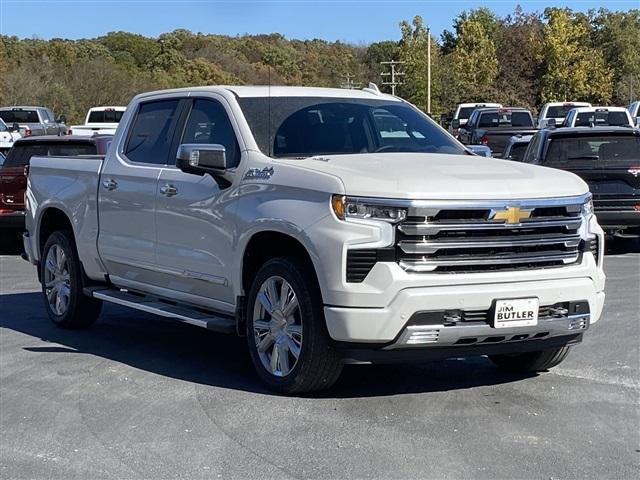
(200, 318)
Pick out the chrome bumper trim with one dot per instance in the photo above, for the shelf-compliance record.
(429, 336)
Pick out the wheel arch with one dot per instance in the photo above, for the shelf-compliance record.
(51, 220)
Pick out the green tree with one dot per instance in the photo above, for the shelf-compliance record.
(474, 62)
(572, 69)
(413, 51)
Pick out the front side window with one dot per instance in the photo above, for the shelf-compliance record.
(209, 123)
(306, 126)
(530, 153)
(152, 132)
(517, 151)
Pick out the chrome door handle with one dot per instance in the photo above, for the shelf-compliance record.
(110, 184)
(168, 190)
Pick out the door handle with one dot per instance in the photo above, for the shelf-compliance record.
(168, 190)
(110, 184)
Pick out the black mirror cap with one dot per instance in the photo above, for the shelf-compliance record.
(455, 123)
(61, 119)
(15, 127)
(201, 158)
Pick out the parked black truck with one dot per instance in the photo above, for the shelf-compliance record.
(608, 159)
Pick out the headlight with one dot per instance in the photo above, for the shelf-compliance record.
(345, 208)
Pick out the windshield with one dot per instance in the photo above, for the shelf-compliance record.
(305, 126)
(593, 151)
(586, 119)
(19, 116)
(105, 116)
(505, 119)
(559, 111)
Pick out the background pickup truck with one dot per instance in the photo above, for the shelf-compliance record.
(33, 120)
(495, 126)
(13, 173)
(99, 121)
(608, 159)
(325, 225)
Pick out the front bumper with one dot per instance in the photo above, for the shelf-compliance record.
(385, 326)
(619, 221)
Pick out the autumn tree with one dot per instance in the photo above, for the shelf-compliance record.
(474, 62)
(572, 69)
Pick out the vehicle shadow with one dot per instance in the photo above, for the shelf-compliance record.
(191, 354)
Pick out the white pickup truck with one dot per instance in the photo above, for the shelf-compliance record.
(328, 226)
(99, 121)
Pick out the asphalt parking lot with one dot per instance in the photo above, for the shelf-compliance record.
(134, 397)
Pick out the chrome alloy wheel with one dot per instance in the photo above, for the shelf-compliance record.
(277, 326)
(57, 281)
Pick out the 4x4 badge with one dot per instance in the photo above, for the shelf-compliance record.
(264, 174)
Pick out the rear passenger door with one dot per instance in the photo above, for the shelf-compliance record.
(195, 233)
(127, 192)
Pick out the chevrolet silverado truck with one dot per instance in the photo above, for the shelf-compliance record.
(34, 120)
(99, 121)
(608, 159)
(494, 127)
(309, 222)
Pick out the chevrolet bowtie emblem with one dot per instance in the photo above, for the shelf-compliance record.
(512, 215)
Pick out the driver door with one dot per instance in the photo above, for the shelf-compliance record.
(194, 213)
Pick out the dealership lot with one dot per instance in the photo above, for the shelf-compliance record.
(136, 397)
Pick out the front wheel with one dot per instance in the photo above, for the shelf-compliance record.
(61, 274)
(288, 339)
(531, 361)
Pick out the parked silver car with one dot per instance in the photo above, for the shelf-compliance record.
(33, 120)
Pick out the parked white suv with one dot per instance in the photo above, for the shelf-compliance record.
(326, 225)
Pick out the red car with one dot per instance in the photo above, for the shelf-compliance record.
(13, 178)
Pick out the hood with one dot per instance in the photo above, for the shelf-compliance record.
(433, 176)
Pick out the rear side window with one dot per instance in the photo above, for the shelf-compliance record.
(20, 155)
(208, 123)
(517, 152)
(152, 132)
(19, 116)
(530, 154)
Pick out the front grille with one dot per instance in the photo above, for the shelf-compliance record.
(445, 239)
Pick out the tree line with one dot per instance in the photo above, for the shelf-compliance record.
(522, 59)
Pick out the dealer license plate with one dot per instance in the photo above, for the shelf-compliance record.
(520, 312)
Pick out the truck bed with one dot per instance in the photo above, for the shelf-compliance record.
(498, 137)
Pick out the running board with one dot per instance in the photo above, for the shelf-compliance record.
(154, 305)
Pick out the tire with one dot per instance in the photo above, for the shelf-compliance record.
(62, 281)
(532, 361)
(297, 325)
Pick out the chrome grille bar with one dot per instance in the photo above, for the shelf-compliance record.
(432, 246)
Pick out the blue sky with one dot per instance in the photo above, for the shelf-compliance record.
(353, 21)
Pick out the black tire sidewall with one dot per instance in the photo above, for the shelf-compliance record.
(312, 318)
(64, 239)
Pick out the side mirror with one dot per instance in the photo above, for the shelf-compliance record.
(455, 123)
(61, 119)
(201, 158)
(15, 127)
(549, 123)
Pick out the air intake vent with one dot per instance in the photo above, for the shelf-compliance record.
(359, 264)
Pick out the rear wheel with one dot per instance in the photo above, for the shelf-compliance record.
(531, 361)
(288, 340)
(61, 275)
